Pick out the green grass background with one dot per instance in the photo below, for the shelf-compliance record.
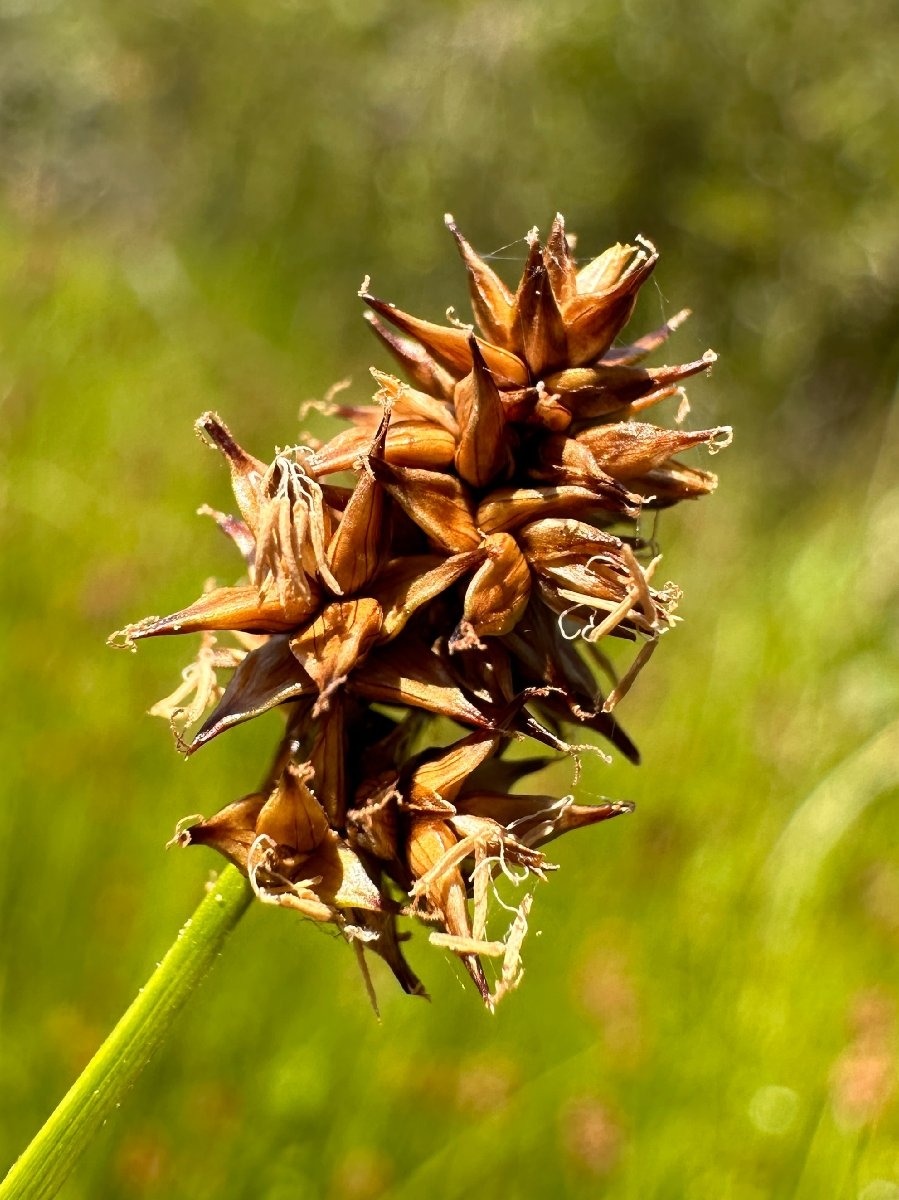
(191, 194)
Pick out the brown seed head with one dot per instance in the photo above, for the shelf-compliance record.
(487, 553)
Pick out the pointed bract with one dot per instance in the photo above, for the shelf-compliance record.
(246, 472)
(267, 677)
(440, 505)
(449, 347)
(292, 816)
(239, 608)
(560, 266)
(543, 328)
(335, 643)
(442, 774)
(491, 301)
(483, 451)
(497, 594)
(423, 370)
(393, 675)
(408, 583)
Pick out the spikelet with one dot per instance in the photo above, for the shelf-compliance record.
(489, 543)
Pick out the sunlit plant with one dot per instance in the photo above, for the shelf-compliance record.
(462, 555)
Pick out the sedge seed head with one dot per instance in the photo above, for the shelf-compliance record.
(486, 555)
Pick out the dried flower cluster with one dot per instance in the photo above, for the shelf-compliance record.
(488, 544)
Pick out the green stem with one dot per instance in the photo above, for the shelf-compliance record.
(99, 1089)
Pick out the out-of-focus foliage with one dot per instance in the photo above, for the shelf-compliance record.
(192, 193)
(273, 151)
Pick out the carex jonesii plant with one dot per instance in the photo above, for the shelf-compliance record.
(488, 550)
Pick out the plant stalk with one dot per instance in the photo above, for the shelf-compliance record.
(98, 1091)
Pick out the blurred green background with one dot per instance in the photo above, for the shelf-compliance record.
(191, 195)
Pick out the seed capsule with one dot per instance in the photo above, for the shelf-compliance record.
(499, 590)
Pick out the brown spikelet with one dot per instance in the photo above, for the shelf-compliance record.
(449, 347)
(335, 643)
(543, 330)
(440, 505)
(497, 595)
(423, 370)
(482, 577)
(483, 451)
(560, 266)
(491, 301)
